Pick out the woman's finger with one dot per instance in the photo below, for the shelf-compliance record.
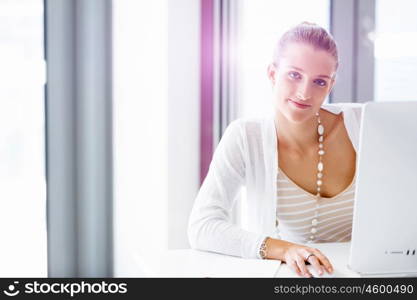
(323, 260)
(314, 261)
(293, 265)
(301, 264)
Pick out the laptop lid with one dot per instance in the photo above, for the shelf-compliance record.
(384, 232)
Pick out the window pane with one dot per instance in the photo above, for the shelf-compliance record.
(263, 22)
(396, 50)
(22, 176)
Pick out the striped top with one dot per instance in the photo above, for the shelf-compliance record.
(301, 218)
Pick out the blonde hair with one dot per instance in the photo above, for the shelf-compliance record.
(309, 33)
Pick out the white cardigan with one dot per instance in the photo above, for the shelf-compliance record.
(247, 156)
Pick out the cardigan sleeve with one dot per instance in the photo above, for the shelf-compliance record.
(209, 225)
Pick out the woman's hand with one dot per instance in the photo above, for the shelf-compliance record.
(296, 256)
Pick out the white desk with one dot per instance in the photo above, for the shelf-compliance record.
(193, 263)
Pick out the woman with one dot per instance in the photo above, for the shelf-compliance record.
(298, 166)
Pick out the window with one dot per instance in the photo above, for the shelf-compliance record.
(396, 50)
(22, 155)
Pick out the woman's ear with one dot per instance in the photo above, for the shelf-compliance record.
(271, 73)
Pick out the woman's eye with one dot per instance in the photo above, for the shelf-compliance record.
(320, 82)
(294, 75)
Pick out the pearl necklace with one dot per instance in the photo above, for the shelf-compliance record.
(320, 166)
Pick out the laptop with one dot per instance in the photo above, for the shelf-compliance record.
(384, 232)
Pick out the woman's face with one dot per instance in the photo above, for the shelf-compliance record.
(301, 80)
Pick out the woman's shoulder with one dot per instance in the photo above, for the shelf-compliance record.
(249, 122)
(253, 126)
(342, 107)
(352, 111)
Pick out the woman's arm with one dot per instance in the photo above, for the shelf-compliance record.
(209, 226)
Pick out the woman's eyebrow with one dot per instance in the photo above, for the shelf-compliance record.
(299, 69)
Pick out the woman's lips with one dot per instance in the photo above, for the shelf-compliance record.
(299, 105)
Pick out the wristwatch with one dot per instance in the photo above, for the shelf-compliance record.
(262, 249)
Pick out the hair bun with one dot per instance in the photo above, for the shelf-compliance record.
(308, 23)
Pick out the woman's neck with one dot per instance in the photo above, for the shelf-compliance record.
(301, 139)
(298, 138)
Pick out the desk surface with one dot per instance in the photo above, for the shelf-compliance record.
(194, 263)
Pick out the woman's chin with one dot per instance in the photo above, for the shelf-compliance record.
(298, 116)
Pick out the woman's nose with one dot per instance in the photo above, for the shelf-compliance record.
(302, 97)
(303, 93)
